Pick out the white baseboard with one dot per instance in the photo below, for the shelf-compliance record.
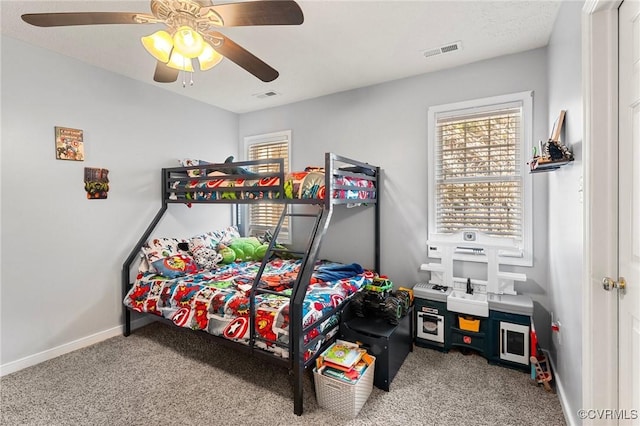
(31, 360)
(568, 415)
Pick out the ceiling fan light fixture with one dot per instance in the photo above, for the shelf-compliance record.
(209, 58)
(188, 42)
(179, 62)
(189, 25)
(159, 45)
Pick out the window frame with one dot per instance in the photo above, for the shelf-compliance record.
(524, 257)
(263, 139)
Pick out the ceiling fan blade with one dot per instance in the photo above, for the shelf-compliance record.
(271, 12)
(165, 74)
(242, 57)
(80, 18)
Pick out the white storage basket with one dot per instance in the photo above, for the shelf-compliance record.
(344, 398)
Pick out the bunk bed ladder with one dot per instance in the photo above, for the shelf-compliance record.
(271, 250)
(296, 294)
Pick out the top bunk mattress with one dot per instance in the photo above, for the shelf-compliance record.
(297, 185)
(203, 181)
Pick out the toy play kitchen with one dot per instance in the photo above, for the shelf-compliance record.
(430, 307)
(486, 316)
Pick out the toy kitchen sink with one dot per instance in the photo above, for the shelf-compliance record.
(475, 304)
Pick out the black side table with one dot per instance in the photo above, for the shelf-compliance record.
(389, 343)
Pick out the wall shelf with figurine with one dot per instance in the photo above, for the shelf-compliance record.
(553, 154)
(538, 165)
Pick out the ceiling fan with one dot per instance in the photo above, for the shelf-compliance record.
(191, 31)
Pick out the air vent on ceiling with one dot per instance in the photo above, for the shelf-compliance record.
(451, 47)
(268, 94)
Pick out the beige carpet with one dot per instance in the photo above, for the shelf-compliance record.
(163, 376)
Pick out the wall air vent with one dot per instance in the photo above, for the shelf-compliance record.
(451, 47)
(268, 94)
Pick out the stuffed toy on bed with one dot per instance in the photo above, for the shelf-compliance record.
(238, 170)
(242, 249)
(205, 257)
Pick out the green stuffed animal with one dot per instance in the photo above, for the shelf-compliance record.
(228, 254)
(243, 249)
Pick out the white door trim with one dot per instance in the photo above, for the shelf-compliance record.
(599, 308)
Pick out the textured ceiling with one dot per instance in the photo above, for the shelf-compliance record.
(341, 45)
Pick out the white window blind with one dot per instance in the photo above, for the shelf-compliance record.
(264, 216)
(479, 173)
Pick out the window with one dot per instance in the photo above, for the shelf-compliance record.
(477, 175)
(264, 216)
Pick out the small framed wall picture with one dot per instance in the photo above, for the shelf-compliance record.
(96, 183)
(69, 144)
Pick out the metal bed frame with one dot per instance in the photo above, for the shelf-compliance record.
(296, 362)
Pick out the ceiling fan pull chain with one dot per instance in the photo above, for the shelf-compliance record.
(184, 83)
(191, 78)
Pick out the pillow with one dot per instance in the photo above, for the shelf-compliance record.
(190, 162)
(143, 266)
(227, 234)
(213, 238)
(160, 248)
(175, 266)
(314, 169)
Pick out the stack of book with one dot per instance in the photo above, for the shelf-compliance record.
(344, 361)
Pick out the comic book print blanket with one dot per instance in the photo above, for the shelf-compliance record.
(297, 185)
(217, 301)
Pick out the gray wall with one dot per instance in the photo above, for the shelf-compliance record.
(386, 125)
(61, 253)
(565, 206)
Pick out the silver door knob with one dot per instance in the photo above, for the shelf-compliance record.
(608, 283)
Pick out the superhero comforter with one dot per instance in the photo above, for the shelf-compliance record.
(217, 301)
(297, 185)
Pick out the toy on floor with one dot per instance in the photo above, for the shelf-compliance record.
(542, 371)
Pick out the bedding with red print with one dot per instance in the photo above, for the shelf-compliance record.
(218, 301)
(307, 184)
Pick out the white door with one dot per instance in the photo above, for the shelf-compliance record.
(629, 212)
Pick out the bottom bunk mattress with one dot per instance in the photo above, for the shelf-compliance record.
(218, 301)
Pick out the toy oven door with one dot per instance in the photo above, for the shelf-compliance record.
(514, 342)
(430, 325)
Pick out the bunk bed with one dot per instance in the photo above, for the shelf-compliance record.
(301, 279)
